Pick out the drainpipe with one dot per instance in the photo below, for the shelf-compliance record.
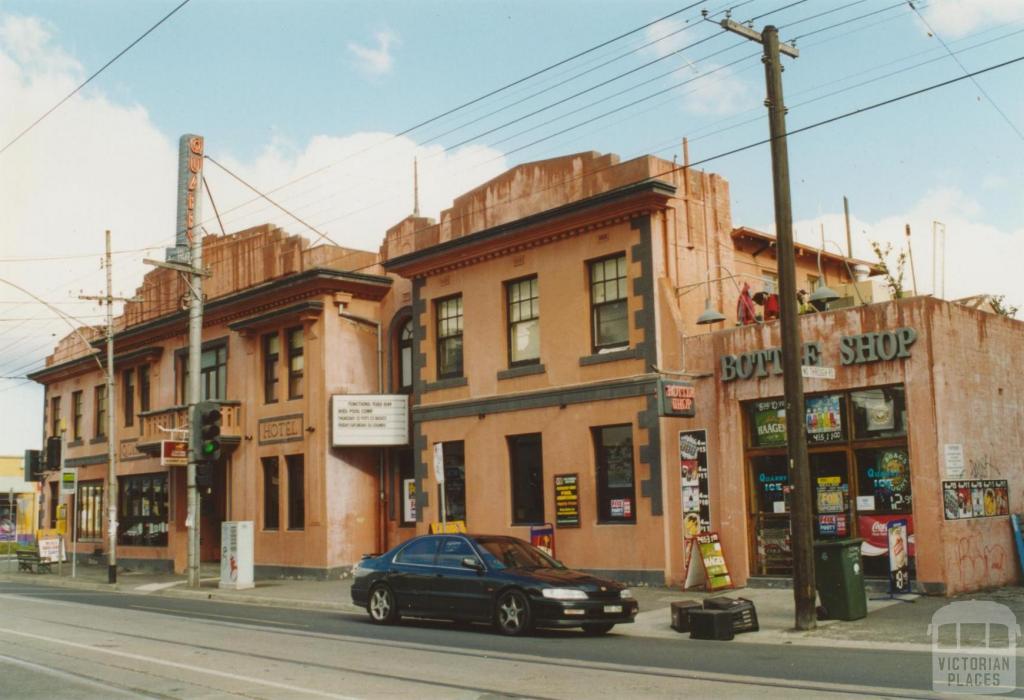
(381, 523)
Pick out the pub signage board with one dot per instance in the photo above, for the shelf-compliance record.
(272, 431)
(173, 453)
(567, 500)
(853, 350)
(676, 399)
(369, 420)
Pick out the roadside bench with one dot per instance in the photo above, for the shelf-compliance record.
(28, 560)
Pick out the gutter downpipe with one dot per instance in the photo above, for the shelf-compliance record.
(381, 531)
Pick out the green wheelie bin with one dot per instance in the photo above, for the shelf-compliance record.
(839, 577)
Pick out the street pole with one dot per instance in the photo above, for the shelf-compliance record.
(111, 403)
(195, 350)
(111, 485)
(801, 511)
(188, 235)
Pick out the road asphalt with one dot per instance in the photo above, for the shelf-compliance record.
(900, 624)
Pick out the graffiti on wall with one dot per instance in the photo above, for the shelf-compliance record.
(980, 565)
(983, 468)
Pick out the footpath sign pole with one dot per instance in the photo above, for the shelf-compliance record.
(439, 475)
(12, 546)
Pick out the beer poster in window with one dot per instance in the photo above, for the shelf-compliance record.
(693, 479)
(823, 415)
(567, 500)
(768, 419)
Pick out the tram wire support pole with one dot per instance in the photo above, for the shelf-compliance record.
(108, 300)
(801, 509)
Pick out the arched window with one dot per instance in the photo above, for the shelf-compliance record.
(405, 358)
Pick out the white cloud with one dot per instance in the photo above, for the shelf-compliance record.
(95, 164)
(956, 18)
(714, 90)
(980, 259)
(375, 61)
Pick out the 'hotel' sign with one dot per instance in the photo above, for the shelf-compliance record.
(271, 431)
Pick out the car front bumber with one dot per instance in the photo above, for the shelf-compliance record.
(575, 613)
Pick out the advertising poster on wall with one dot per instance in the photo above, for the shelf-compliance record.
(890, 477)
(693, 477)
(567, 500)
(985, 498)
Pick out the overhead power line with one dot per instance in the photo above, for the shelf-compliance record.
(964, 69)
(88, 80)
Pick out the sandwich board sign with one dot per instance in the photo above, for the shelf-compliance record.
(704, 553)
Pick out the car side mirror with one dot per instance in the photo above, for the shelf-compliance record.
(473, 563)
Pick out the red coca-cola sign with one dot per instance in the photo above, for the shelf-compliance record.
(874, 530)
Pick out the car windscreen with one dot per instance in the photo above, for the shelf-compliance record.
(502, 553)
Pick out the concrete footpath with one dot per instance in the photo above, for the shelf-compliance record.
(890, 624)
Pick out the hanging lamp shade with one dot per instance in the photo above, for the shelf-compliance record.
(823, 294)
(709, 315)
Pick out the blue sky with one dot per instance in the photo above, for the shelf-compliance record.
(282, 88)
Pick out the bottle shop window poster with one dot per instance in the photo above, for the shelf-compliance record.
(693, 471)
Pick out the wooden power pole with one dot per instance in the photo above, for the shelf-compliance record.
(801, 512)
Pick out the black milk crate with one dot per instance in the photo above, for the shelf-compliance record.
(711, 624)
(681, 610)
(744, 615)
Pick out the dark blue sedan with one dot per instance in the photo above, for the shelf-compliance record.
(487, 578)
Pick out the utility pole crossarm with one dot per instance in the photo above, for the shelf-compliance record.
(754, 35)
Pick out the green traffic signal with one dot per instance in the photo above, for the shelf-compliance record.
(207, 431)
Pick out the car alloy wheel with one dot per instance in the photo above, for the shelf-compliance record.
(382, 607)
(513, 613)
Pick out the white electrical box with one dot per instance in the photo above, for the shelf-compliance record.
(236, 555)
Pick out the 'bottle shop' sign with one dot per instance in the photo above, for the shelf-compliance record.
(853, 350)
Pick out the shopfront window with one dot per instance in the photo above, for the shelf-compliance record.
(455, 480)
(142, 511)
(883, 480)
(613, 456)
(89, 505)
(879, 413)
(831, 484)
(860, 473)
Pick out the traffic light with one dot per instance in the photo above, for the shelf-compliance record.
(207, 432)
(33, 465)
(53, 452)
